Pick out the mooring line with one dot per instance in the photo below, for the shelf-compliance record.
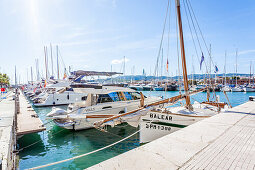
(82, 155)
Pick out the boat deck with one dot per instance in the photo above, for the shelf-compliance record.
(27, 119)
(223, 141)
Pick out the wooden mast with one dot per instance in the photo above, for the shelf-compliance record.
(184, 68)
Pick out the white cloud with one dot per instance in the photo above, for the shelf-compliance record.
(247, 51)
(116, 61)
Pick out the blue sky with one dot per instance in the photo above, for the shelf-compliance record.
(95, 34)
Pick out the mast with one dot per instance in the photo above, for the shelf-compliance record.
(31, 75)
(192, 72)
(250, 74)
(184, 68)
(236, 67)
(51, 60)
(57, 61)
(46, 62)
(225, 68)
(161, 74)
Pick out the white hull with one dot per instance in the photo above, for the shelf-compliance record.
(236, 89)
(103, 110)
(227, 89)
(65, 98)
(157, 124)
(249, 89)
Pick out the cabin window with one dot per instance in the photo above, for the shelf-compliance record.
(103, 98)
(135, 95)
(84, 98)
(121, 97)
(114, 96)
(128, 96)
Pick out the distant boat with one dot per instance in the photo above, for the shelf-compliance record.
(148, 87)
(172, 87)
(237, 89)
(159, 88)
(226, 88)
(137, 87)
(249, 88)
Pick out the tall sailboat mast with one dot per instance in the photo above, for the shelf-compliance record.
(57, 61)
(51, 60)
(225, 68)
(250, 73)
(46, 62)
(236, 67)
(184, 68)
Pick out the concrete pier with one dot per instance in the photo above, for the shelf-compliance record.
(27, 119)
(224, 141)
(7, 132)
(16, 118)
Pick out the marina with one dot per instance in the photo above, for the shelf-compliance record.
(127, 85)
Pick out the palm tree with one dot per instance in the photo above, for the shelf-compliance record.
(4, 80)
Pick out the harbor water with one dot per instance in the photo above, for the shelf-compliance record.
(56, 144)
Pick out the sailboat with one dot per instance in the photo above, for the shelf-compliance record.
(157, 119)
(250, 87)
(225, 88)
(237, 88)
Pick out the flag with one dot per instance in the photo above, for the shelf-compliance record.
(167, 65)
(64, 76)
(202, 60)
(45, 83)
(35, 89)
(216, 69)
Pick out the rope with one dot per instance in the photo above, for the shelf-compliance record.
(38, 141)
(189, 3)
(161, 41)
(82, 155)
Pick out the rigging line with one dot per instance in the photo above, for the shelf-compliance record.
(169, 24)
(191, 32)
(162, 37)
(195, 30)
(82, 155)
(61, 58)
(189, 3)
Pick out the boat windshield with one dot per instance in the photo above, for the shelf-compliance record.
(103, 98)
(123, 96)
(114, 96)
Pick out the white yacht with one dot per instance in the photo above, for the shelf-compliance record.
(62, 96)
(99, 104)
(226, 88)
(237, 89)
(249, 88)
(137, 87)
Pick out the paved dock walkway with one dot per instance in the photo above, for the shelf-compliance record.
(7, 140)
(224, 141)
(28, 121)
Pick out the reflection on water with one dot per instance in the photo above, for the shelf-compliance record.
(57, 144)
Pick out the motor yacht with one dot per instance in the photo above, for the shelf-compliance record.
(99, 104)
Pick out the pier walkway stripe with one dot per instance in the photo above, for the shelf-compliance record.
(223, 141)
